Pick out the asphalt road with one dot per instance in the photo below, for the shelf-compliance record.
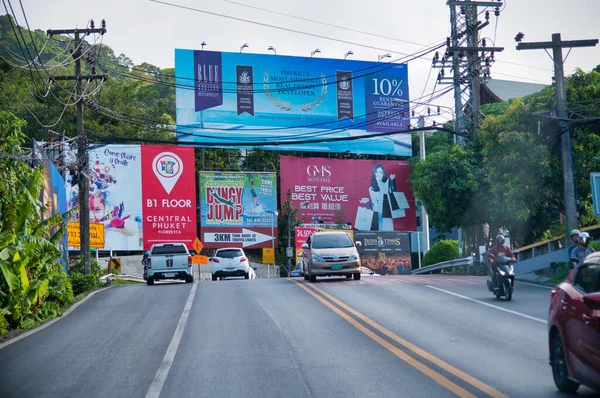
(386, 336)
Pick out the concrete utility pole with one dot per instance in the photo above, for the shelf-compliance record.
(424, 216)
(82, 150)
(561, 98)
(467, 61)
(288, 249)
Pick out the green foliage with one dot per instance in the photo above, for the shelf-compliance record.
(28, 252)
(80, 282)
(444, 250)
(595, 245)
(3, 325)
(447, 182)
(60, 289)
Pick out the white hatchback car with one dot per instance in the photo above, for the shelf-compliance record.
(231, 261)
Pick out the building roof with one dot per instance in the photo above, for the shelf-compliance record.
(507, 89)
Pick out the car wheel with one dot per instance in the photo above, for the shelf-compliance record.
(214, 278)
(305, 277)
(560, 371)
(348, 276)
(189, 279)
(150, 281)
(246, 276)
(357, 277)
(313, 278)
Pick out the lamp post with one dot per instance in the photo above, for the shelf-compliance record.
(315, 51)
(274, 214)
(348, 53)
(271, 48)
(203, 44)
(245, 45)
(380, 57)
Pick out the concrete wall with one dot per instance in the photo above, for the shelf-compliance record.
(540, 262)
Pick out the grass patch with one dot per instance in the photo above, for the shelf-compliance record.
(558, 277)
(125, 282)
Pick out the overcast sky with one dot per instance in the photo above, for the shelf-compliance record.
(147, 31)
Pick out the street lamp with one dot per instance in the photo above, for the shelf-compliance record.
(274, 214)
(380, 57)
(245, 45)
(203, 44)
(271, 48)
(315, 51)
(348, 53)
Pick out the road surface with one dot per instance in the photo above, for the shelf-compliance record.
(384, 336)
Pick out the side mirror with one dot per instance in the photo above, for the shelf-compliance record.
(592, 300)
(210, 259)
(192, 252)
(358, 243)
(305, 246)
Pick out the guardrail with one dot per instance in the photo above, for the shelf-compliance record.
(461, 262)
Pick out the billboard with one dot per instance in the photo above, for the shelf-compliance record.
(168, 195)
(291, 103)
(372, 195)
(237, 208)
(386, 253)
(136, 215)
(54, 200)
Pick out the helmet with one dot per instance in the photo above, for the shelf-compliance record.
(500, 239)
(574, 232)
(584, 238)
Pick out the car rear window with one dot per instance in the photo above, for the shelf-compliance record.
(178, 249)
(332, 241)
(229, 253)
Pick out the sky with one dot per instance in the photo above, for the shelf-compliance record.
(149, 31)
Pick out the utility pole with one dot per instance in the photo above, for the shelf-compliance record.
(82, 150)
(561, 98)
(462, 59)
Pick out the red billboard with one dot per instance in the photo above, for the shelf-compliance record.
(168, 195)
(372, 195)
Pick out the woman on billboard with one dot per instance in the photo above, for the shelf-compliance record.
(382, 207)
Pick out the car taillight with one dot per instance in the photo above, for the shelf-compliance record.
(243, 259)
(189, 261)
(149, 263)
(215, 260)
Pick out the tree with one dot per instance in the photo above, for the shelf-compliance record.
(447, 182)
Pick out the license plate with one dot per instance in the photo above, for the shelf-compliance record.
(169, 275)
(336, 266)
(229, 268)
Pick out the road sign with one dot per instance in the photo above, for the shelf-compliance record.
(268, 255)
(197, 245)
(96, 235)
(199, 259)
(246, 237)
(114, 264)
(595, 177)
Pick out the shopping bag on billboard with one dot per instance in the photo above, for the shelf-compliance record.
(364, 219)
(400, 199)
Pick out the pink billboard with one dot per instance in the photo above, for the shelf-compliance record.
(372, 195)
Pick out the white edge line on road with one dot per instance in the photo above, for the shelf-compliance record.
(49, 323)
(489, 305)
(534, 284)
(163, 371)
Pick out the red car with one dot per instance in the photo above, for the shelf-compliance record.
(574, 328)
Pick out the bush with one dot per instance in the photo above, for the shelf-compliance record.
(60, 289)
(595, 245)
(3, 325)
(82, 283)
(444, 250)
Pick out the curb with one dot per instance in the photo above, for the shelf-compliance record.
(51, 321)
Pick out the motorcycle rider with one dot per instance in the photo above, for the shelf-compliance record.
(574, 243)
(582, 251)
(499, 249)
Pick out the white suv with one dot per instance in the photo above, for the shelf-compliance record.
(230, 261)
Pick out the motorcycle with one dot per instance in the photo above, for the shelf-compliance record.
(505, 278)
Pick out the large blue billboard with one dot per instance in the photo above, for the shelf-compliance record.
(291, 103)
